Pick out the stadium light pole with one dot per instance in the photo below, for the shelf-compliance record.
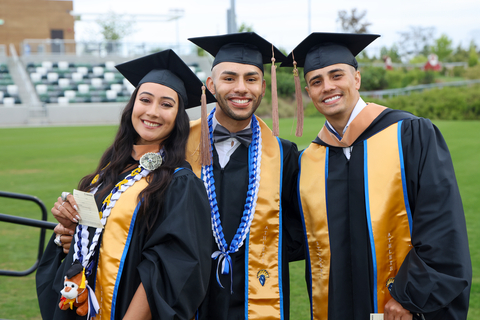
(309, 16)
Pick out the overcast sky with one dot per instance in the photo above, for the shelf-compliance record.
(285, 22)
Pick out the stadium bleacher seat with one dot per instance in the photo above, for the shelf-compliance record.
(97, 71)
(56, 82)
(63, 65)
(12, 89)
(52, 77)
(64, 83)
(8, 101)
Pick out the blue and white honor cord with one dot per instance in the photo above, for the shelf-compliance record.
(254, 163)
(82, 252)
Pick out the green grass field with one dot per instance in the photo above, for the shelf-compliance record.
(46, 161)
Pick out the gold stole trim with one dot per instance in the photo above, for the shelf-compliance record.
(355, 129)
(313, 200)
(388, 215)
(264, 252)
(113, 244)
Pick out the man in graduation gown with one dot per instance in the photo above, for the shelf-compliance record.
(251, 184)
(383, 216)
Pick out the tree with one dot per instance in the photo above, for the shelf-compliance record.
(392, 53)
(114, 27)
(415, 41)
(460, 54)
(353, 23)
(245, 28)
(442, 47)
(472, 56)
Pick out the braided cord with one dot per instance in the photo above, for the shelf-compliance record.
(82, 252)
(254, 162)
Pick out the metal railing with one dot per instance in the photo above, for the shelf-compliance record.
(97, 48)
(43, 224)
(408, 90)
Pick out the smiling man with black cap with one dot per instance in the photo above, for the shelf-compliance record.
(250, 182)
(382, 210)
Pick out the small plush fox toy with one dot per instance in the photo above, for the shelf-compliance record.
(74, 292)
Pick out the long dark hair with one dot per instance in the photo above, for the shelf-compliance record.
(117, 156)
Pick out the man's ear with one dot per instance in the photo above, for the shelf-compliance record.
(308, 91)
(358, 80)
(210, 85)
(264, 86)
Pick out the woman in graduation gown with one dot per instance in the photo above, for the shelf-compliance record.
(152, 258)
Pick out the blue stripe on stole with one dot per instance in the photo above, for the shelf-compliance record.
(369, 222)
(280, 226)
(307, 256)
(247, 238)
(122, 261)
(246, 274)
(327, 153)
(124, 256)
(404, 180)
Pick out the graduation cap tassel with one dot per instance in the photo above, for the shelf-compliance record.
(206, 158)
(275, 129)
(298, 96)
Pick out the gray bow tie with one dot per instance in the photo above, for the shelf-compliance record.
(243, 136)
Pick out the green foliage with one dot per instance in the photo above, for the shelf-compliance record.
(200, 52)
(113, 27)
(373, 78)
(377, 78)
(472, 57)
(391, 52)
(459, 55)
(285, 82)
(449, 103)
(458, 71)
(442, 47)
(420, 58)
(310, 111)
(415, 41)
(245, 28)
(472, 72)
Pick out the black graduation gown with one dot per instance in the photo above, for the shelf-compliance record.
(172, 262)
(231, 185)
(435, 277)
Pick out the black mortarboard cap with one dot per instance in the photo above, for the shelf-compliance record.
(74, 269)
(244, 47)
(321, 49)
(166, 68)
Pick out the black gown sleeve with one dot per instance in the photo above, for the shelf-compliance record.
(292, 221)
(435, 277)
(175, 266)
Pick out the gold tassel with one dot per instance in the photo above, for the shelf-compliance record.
(206, 158)
(298, 96)
(275, 129)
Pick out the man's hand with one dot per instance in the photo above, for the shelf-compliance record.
(395, 311)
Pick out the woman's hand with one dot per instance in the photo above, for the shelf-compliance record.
(63, 237)
(66, 212)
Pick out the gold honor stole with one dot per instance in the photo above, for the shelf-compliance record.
(114, 247)
(263, 256)
(387, 209)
